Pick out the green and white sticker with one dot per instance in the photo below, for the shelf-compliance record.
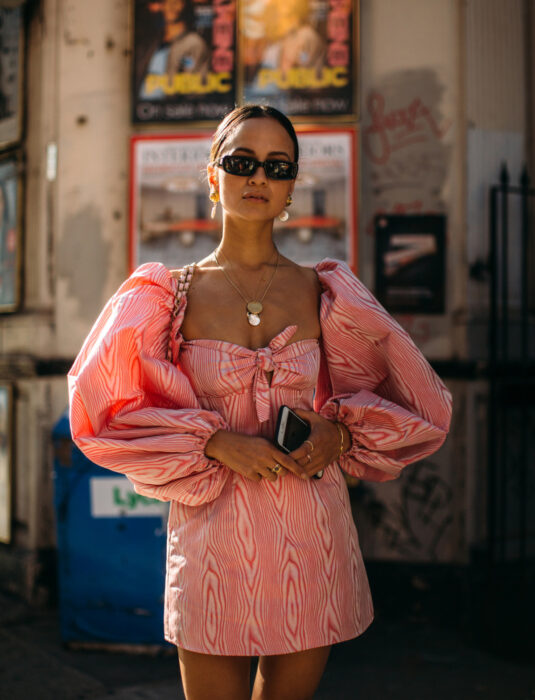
(113, 497)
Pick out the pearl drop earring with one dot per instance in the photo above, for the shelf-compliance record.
(214, 197)
(284, 216)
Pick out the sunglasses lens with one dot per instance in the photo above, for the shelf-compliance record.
(245, 166)
(279, 169)
(238, 165)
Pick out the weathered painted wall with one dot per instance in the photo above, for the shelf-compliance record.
(75, 242)
(91, 195)
(411, 138)
(435, 510)
(443, 103)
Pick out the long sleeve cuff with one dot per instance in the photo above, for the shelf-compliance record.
(384, 436)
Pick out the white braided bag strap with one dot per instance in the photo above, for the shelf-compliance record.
(183, 278)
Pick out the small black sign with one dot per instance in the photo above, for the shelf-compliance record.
(411, 263)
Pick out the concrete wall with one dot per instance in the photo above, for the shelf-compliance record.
(93, 129)
(75, 243)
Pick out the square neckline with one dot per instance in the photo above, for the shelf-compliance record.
(244, 348)
(191, 341)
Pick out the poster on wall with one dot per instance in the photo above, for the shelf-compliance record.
(300, 56)
(184, 60)
(411, 263)
(323, 215)
(169, 207)
(170, 210)
(5, 462)
(11, 73)
(10, 233)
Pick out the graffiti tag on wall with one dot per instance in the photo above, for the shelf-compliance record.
(415, 525)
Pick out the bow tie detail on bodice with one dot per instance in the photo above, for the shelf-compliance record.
(266, 363)
(216, 367)
(264, 359)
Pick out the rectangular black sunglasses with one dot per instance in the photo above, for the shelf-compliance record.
(244, 166)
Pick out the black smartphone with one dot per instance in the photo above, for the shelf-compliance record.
(291, 432)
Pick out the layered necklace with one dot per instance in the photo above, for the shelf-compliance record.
(254, 307)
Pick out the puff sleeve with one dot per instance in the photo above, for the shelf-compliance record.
(376, 381)
(134, 412)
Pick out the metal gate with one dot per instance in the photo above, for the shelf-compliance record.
(510, 610)
(511, 486)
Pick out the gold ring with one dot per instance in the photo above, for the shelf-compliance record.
(310, 443)
(276, 469)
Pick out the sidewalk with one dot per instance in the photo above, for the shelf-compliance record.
(401, 656)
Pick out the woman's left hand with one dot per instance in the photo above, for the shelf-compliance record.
(323, 444)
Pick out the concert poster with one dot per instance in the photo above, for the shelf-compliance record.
(184, 60)
(300, 56)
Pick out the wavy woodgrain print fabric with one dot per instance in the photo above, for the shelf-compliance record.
(254, 568)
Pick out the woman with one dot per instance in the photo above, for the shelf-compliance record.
(263, 560)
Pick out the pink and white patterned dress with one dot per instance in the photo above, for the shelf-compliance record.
(254, 568)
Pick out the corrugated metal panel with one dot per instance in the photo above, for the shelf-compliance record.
(495, 65)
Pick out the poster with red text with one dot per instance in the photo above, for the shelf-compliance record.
(300, 55)
(184, 60)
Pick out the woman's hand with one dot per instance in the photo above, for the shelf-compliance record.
(252, 457)
(323, 444)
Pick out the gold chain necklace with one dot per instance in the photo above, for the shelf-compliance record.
(255, 307)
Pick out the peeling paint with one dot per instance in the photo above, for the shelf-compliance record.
(406, 156)
(81, 260)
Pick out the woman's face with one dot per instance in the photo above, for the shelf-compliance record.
(255, 197)
(172, 9)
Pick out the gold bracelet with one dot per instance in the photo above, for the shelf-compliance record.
(341, 439)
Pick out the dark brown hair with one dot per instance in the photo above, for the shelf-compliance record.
(241, 114)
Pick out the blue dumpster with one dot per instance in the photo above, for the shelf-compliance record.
(111, 552)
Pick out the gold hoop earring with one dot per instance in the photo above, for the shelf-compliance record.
(214, 197)
(289, 200)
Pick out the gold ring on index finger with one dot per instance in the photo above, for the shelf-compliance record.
(276, 469)
(309, 442)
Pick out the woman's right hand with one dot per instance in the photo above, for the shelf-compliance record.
(252, 457)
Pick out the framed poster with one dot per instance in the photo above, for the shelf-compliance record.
(11, 75)
(323, 214)
(300, 56)
(169, 206)
(170, 210)
(10, 233)
(6, 412)
(184, 60)
(411, 263)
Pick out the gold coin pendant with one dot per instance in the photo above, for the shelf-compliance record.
(255, 307)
